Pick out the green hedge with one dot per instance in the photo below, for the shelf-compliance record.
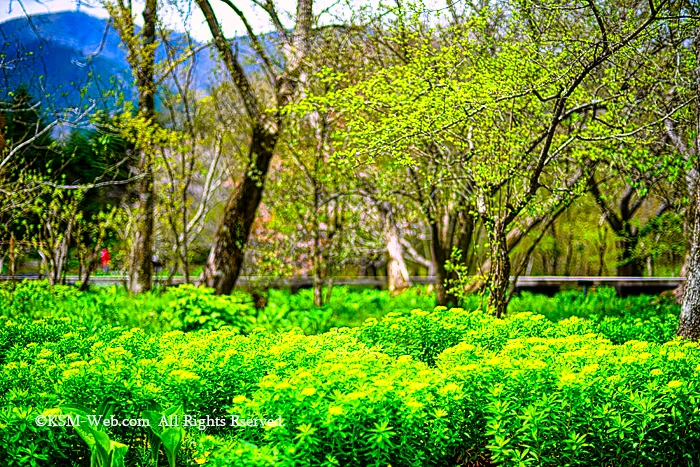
(414, 389)
(187, 308)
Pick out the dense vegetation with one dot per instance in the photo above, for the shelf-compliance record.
(472, 142)
(188, 308)
(404, 388)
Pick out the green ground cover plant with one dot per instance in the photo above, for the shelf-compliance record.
(414, 388)
(188, 308)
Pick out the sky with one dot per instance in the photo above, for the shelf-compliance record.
(195, 24)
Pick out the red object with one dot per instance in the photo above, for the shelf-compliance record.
(104, 257)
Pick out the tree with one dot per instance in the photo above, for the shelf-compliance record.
(191, 162)
(28, 160)
(621, 221)
(266, 122)
(59, 187)
(141, 47)
(57, 212)
(520, 108)
(96, 167)
(398, 279)
(689, 321)
(313, 194)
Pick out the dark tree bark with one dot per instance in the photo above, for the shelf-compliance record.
(455, 232)
(226, 256)
(628, 264)
(442, 276)
(85, 274)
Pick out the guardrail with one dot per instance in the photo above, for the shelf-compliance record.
(523, 282)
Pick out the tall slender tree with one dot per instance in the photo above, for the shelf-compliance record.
(689, 324)
(141, 44)
(266, 123)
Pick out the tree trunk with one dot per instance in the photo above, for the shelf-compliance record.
(140, 258)
(62, 256)
(513, 239)
(689, 323)
(397, 271)
(569, 256)
(318, 285)
(143, 66)
(442, 294)
(13, 258)
(171, 274)
(186, 260)
(602, 247)
(317, 253)
(226, 256)
(42, 266)
(87, 272)
(500, 272)
(628, 264)
(329, 289)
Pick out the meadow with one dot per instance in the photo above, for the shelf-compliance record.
(367, 380)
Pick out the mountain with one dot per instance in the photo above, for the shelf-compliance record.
(62, 59)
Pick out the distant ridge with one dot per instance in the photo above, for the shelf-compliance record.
(56, 55)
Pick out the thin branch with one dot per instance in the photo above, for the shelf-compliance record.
(257, 45)
(91, 185)
(269, 7)
(240, 80)
(208, 190)
(613, 219)
(601, 24)
(174, 63)
(13, 152)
